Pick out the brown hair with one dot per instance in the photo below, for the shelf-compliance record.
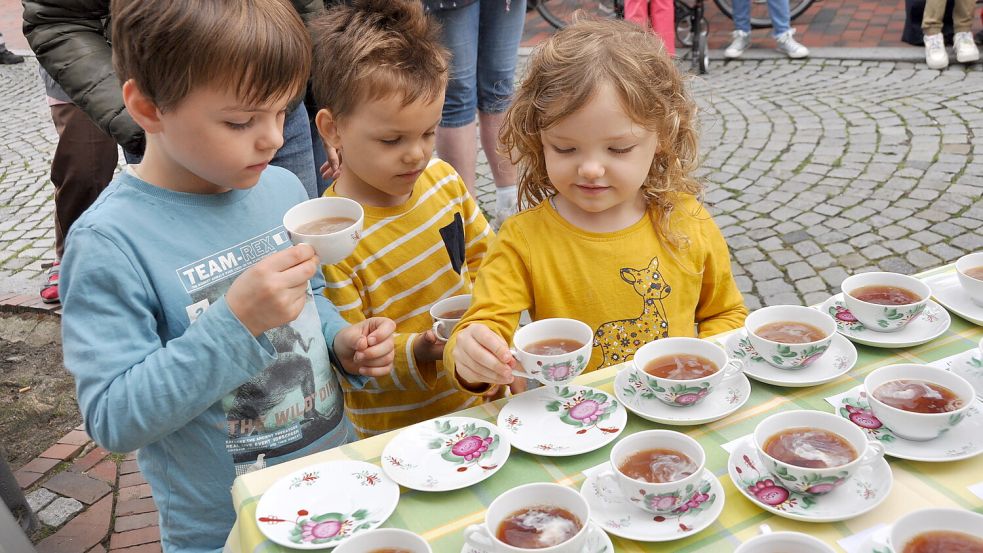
(374, 49)
(563, 75)
(170, 47)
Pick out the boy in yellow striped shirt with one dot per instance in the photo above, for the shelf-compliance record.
(379, 78)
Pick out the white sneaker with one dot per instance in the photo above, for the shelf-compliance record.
(787, 44)
(935, 54)
(965, 47)
(737, 47)
(504, 212)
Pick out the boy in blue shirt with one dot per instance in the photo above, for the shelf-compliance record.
(195, 331)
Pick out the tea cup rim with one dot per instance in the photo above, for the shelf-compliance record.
(967, 401)
(962, 260)
(828, 416)
(579, 323)
(825, 338)
(584, 524)
(924, 297)
(698, 472)
(330, 199)
(636, 363)
(437, 317)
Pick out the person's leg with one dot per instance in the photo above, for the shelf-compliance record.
(635, 11)
(935, 55)
(456, 140)
(962, 22)
(297, 154)
(932, 17)
(663, 16)
(779, 12)
(742, 15)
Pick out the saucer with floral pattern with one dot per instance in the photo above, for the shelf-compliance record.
(728, 396)
(834, 363)
(929, 325)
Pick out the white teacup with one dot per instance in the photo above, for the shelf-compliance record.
(911, 425)
(815, 481)
(552, 370)
(931, 520)
(384, 538)
(443, 325)
(659, 498)
(972, 286)
(684, 393)
(484, 537)
(790, 356)
(333, 246)
(782, 542)
(885, 318)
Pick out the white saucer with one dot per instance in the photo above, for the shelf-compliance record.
(322, 505)
(559, 422)
(963, 441)
(864, 491)
(447, 453)
(620, 517)
(604, 547)
(947, 290)
(929, 325)
(837, 361)
(969, 365)
(724, 400)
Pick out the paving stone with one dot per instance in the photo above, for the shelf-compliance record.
(40, 465)
(105, 471)
(60, 511)
(90, 459)
(40, 498)
(61, 452)
(134, 537)
(134, 522)
(134, 492)
(26, 479)
(128, 480)
(135, 506)
(918, 258)
(834, 276)
(153, 547)
(85, 489)
(75, 437)
(83, 532)
(897, 265)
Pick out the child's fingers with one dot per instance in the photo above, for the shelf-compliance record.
(473, 370)
(493, 343)
(374, 371)
(290, 257)
(380, 329)
(375, 355)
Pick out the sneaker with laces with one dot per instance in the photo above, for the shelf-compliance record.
(741, 41)
(9, 58)
(935, 54)
(792, 48)
(965, 47)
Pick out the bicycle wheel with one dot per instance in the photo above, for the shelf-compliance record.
(559, 13)
(759, 11)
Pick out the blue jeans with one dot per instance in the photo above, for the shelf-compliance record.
(777, 9)
(296, 155)
(484, 42)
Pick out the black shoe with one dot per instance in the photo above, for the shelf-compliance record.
(9, 58)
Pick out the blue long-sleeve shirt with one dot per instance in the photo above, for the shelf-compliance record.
(162, 364)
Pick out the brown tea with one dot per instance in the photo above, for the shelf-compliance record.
(680, 366)
(885, 295)
(944, 541)
(790, 332)
(918, 396)
(810, 448)
(658, 465)
(452, 314)
(538, 527)
(325, 225)
(974, 272)
(553, 346)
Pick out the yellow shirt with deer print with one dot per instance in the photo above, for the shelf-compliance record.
(629, 286)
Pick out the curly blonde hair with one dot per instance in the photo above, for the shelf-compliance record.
(563, 75)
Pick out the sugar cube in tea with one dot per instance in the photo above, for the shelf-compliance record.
(810, 448)
(538, 527)
(553, 346)
(325, 225)
(944, 541)
(790, 332)
(885, 295)
(918, 396)
(975, 272)
(680, 366)
(658, 465)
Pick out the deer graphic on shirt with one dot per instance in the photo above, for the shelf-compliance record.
(619, 340)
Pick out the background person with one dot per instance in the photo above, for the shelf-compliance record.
(781, 30)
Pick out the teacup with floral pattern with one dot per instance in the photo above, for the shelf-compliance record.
(909, 424)
(972, 286)
(684, 393)
(885, 318)
(785, 355)
(553, 370)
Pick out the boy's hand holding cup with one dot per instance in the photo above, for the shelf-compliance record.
(332, 226)
(366, 347)
(273, 292)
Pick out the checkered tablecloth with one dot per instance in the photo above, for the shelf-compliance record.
(441, 517)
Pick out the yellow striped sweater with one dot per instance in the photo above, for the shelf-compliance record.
(409, 257)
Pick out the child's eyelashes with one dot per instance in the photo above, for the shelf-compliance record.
(623, 150)
(239, 126)
(560, 150)
(390, 141)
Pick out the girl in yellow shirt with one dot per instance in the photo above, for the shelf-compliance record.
(603, 133)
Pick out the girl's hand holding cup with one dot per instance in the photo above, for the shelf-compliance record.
(482, 356)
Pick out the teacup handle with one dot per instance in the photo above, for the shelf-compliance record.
(437, 325)
(732, 368)
(477, 537)
(518, 371)
(874, 452)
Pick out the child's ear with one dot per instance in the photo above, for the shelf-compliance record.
(327, 127)
(141, 108)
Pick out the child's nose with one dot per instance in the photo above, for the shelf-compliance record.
(272, 137)
(590, 170)
(416, 153)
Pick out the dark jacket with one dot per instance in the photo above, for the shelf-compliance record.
(71, 40)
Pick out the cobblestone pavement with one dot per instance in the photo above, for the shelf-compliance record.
(814, 170)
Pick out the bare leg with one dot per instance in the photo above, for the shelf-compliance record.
(459, 147)
(501, 167)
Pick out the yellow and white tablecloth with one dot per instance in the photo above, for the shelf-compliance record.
(441, 517)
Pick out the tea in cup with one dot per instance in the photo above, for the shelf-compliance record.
(540, 517)
(657, 470)
(384, 540)
(969, 269)
(811, 452)
(553, 351)
(790, 336)
(918, 402)
(682, 371)
(885, 302)
(782, 542)
(930, 530)
(332, 226)
(446, 313)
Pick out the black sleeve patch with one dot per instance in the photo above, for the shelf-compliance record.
(453, 235)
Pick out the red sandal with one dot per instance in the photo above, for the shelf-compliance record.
(49, 292)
